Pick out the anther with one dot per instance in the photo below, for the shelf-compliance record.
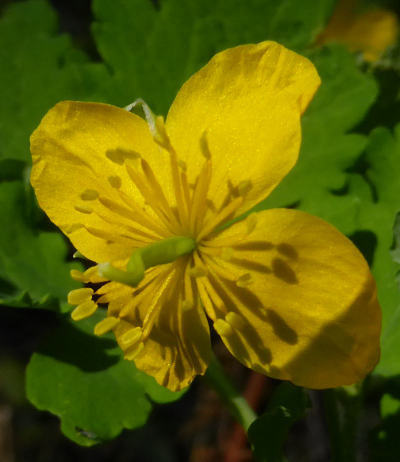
(131, 337)
(244, 187)
(235, 320)
(77, 296)
(90, 275)
(134, 353)
(223, 328)
(83, 209)
(106, 325)
(89, 195)
(84, 310)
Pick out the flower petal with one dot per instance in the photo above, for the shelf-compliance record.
(293, 299)
(175, 343)
(80, 152)
(245, 105)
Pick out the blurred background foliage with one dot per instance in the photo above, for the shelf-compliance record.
(348, 174)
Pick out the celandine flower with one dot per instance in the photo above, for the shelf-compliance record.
(289, 295)
(370, 32)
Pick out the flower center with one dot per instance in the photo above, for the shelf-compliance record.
(157, 253)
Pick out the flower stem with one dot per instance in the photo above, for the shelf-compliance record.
(235, 402)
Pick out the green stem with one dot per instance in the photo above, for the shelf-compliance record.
(236, 403)
(342, 409)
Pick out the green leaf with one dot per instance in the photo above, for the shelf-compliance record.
(33, 270)
(268, 433)
(152, 51)
(84, 380)
(38, 68)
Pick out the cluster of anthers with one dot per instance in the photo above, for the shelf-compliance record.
(162, 236)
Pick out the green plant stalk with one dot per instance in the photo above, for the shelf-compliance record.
(342, 410)
(235, 402)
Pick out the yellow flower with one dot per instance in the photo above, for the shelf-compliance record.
(371, 32)
(289, 295)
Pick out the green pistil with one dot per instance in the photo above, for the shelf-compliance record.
(157, 253)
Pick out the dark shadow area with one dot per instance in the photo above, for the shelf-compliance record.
(75, 18)
(366, 241)
(281, 328)
(71, 345)
(385, 441)
(386, 109)
(283, 271)
(287, 250)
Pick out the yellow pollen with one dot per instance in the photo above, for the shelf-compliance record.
(223, 328)
(89, 195)
(83, 209)
(77, 296)
(84, 310)
(131, 337)
(105, 325)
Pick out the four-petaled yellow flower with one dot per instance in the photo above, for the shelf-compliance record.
(290, 296)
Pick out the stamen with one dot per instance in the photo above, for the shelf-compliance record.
(199, 197)
(131, 355)
(90, 275)
(223, 328)
(84, 310)
(145, 220)
(106, 325)
(131, 337)
(89, 195)
(83, 209)
(236, 320)
(244, 187)
(197, 272)
(221, 217)
(131, 241)
(77, 296)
